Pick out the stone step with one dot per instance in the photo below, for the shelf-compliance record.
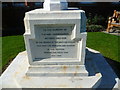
(58, 74)
(57, 62)
(57, 70)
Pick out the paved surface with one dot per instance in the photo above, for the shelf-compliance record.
(109, 78)
(113, 33)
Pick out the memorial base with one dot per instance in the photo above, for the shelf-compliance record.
(98, 74)
(57, 71)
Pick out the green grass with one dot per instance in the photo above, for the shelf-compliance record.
(106, 44)
(11, 46)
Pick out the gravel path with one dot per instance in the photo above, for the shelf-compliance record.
(113, 33)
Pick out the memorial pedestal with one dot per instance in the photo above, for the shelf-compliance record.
(55, 35)
(55, 42)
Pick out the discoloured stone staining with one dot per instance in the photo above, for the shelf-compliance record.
(26, 77)
(64, 69)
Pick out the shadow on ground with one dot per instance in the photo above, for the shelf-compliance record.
(96, 63)
(115, 66)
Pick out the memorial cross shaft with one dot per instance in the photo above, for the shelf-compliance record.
(53, 5)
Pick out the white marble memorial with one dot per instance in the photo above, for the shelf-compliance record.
(57, 56)
(55, 35)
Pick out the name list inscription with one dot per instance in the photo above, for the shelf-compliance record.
(54, 42)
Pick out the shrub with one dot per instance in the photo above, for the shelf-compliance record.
(96, 20)
(94, 28)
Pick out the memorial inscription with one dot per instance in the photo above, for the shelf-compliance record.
(53, 41)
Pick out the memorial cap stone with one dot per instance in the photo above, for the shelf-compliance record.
(53, 5)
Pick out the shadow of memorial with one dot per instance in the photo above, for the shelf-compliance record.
(95, 63)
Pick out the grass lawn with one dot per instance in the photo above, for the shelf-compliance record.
(11, 46)
(105, 43)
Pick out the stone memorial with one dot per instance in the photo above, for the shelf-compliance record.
(56, 35)
(56, 55)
